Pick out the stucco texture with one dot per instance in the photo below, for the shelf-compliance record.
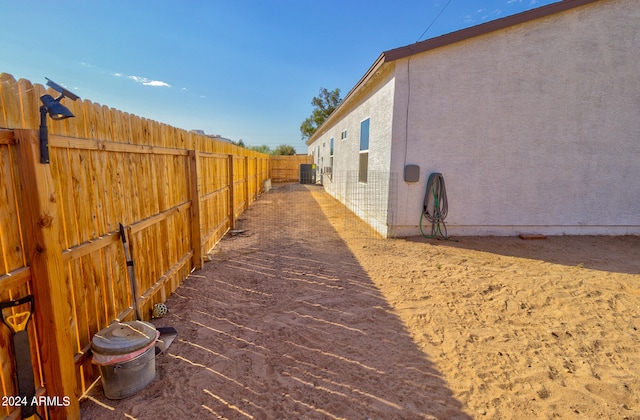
(535, 127)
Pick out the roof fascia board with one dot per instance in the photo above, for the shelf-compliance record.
(482, 29)
(450, 38)
(372, 70)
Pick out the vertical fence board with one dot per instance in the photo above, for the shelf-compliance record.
(88, 194)
(231, 195)
(108, 298)
(196, 229)
(81, 192)
(77, 127)
(123, 204)
(110, 196)
(29, 103)
(46, 262)
(11, 244)
(10, 100)
(114, 190)
(73, 279)
(160, 179)
(6, 367)
(101, 198)
(131, 186)
(60, 165)
(89, 292)
(120, 281)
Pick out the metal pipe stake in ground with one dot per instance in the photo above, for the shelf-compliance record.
(132, 272)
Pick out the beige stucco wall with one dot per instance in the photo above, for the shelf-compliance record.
(369, 200)
(536, 128)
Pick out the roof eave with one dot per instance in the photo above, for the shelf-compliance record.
(450, 38)
(363, 80)
(482, 29)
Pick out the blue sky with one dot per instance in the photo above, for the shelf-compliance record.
(243, 69)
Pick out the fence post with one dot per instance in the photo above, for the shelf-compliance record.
(232, 210)
(257, 178)
(50, 289)
(246, 182)
(196, 228)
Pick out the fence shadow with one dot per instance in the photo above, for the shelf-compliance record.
(285, 323)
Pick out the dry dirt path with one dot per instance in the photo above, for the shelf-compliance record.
(285, 323)
(306, 315)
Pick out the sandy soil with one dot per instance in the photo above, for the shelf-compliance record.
(292, 319)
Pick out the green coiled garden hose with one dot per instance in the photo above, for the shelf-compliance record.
(435, 207)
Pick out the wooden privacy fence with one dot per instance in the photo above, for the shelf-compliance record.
(176, 192)
(286, 168)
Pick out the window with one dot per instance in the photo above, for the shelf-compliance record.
(343, 135)
(364, 163)
(330, 167)
(363, 167)
(364, 135)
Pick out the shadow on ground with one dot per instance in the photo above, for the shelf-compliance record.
(604, 253)
(284, 323)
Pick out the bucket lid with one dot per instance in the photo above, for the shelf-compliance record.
(124, 337)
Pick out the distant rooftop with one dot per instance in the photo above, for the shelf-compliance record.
(213, 136)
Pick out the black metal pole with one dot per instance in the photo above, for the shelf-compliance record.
(44, 136)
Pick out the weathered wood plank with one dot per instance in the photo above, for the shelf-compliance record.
(49, 289)
(9, 101)
(6, 137)
(81, 189)
(148, 294)
(144, 224)
(14, 279)
(100, 144)
(87, 248)
(121, 286)
(122, 181)
(30, 104)
(60, 164)
(196, 229)
(11, 242)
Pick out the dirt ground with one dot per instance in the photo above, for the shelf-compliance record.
(304, 313)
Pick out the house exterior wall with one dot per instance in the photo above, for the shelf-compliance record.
(535, 128)
(369, 200)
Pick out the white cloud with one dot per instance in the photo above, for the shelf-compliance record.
(138, 79)
(156, 83)
(148, 82)
(468, 19)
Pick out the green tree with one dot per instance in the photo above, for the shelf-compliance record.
(284, 149)
(262, 149)
(323, 105)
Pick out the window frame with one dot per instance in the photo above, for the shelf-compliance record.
(363, 154)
